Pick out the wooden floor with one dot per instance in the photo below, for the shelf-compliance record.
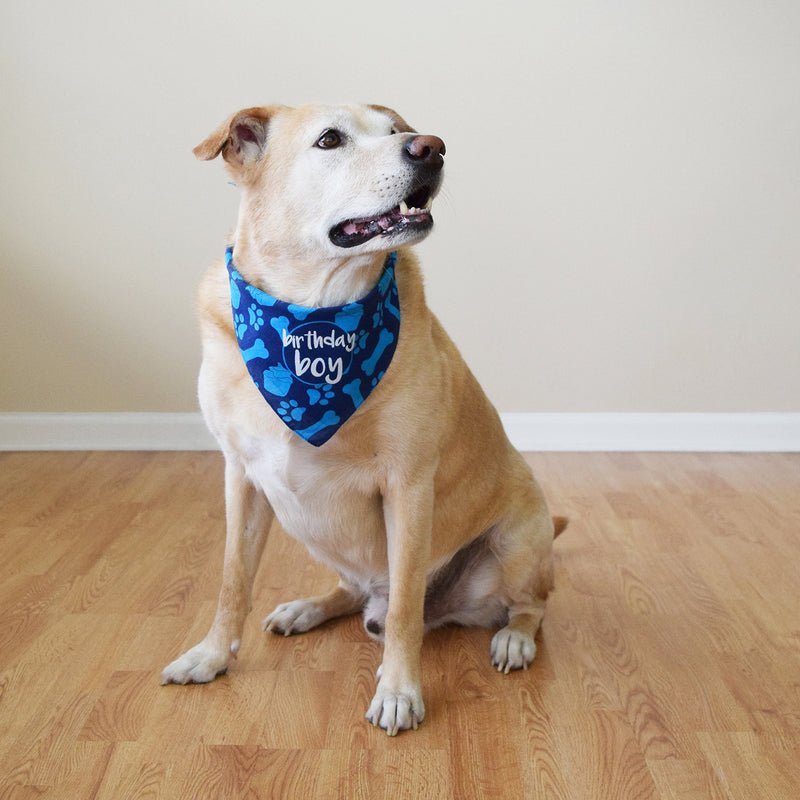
(668, 666)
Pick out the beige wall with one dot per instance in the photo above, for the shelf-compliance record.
(620, 229)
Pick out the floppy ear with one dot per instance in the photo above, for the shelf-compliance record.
(241, 139)
(399, 123)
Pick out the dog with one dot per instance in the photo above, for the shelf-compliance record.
(363, 432)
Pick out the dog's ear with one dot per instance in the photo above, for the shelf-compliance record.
(399, 123)
(242, 138)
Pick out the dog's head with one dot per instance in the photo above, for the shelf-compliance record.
(322, 180)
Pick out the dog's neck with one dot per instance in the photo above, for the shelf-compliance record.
(304, 279)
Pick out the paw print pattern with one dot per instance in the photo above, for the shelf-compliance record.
(321, 396)
(290, 411)
(256, 317)
(241, 325)
(361, 342)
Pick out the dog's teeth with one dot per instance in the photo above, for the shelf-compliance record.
(429, 204)
(403, 207)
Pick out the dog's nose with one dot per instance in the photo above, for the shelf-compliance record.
(428, 150)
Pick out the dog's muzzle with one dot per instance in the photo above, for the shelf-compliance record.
(413, 213)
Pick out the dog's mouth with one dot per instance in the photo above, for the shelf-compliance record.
(412, 214)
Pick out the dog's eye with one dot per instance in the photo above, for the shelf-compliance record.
(329, 140)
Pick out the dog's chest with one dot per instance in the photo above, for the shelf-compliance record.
(332, 505)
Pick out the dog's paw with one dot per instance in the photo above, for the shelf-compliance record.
(201, 664)
(298, 616)
(512, 650)
(396, 710)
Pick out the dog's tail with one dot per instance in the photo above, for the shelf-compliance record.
(559, 525)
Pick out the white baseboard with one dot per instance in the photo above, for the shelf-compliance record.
(88, 431)
(757, 432)
(754, 432)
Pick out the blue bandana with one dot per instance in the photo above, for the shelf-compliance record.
(316, 366)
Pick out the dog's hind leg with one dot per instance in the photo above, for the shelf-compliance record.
(299, 616)
(524, 547)
(514, 647)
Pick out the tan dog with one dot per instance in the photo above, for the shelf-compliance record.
(418, 501)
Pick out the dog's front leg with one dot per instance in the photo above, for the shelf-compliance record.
(408, 514)
(248, 517)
